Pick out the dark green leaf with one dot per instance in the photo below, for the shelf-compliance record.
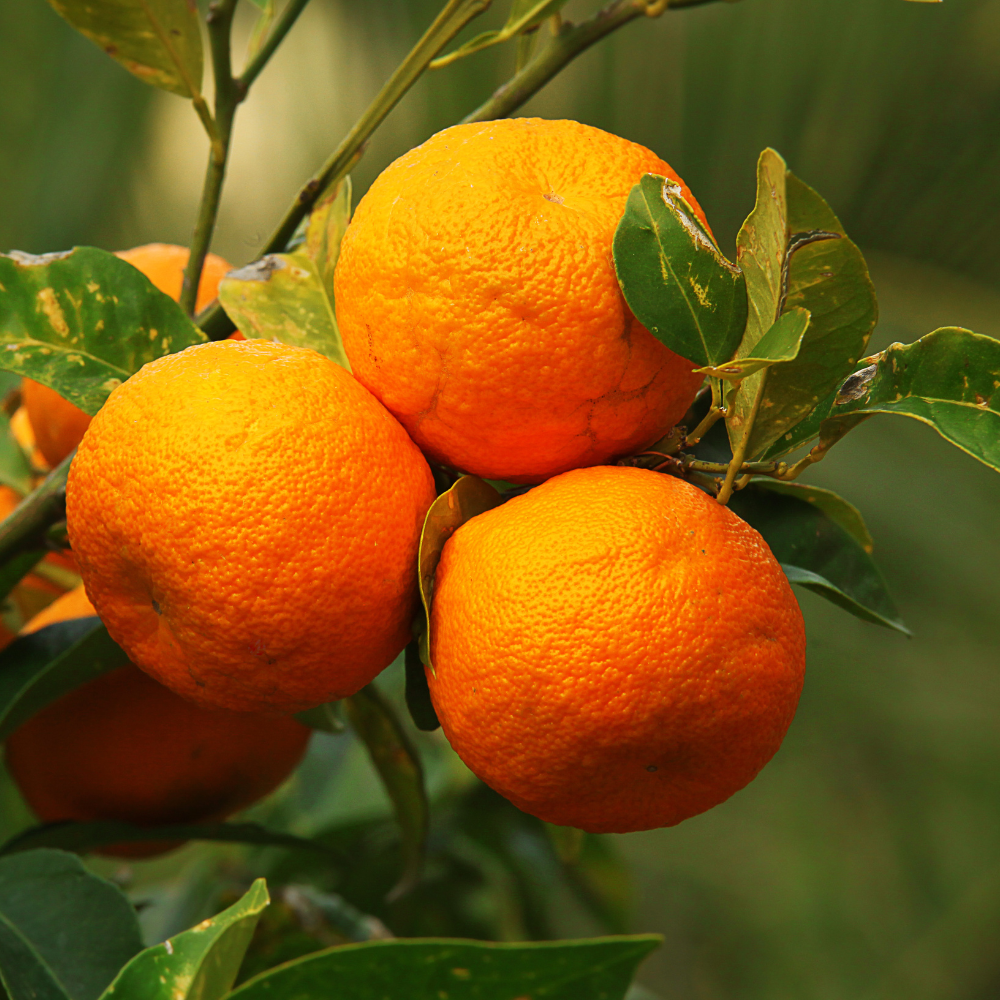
(467, 498)
(674, 277)
(827, 554)
(779, 345)
(949, 379)
(157, 40)
(432, 969)
(289, 297)
(83, 837)
(37, 669)
(418, 694)
(64, 932)
(398, 765)
(199, 964)
(83, 321)
(794, 252)
(15, 467)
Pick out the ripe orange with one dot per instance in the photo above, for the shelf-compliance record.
(123, 747)
(477, 298)
(245, 516)
(58, 424)
(614, 650)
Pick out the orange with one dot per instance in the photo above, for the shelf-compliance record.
(57, 423)
(123, 747)
(477, 298)
(614, 650)
(246, 516)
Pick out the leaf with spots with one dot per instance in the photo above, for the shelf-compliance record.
(198, 964)
(288, 297)
(159, 41)
(674, 277)
(83, 321)
(443, 969)
(795, 254)
(822, 544)
(64, 931)
(948, 379)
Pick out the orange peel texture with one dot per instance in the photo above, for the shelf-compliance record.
(477, 298)
(614, 650)
(246, 516)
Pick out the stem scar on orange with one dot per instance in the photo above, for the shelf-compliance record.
(246, 516)
(122, 747)
(614, 650)
(477, 298)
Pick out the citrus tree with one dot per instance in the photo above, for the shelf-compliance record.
(515, 428)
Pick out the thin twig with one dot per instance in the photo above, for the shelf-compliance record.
(227, 96)
(27, 524)
(563, 46)
(455, 16)
(281, 27)
(735, 466)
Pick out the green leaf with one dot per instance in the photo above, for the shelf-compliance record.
(442, 969)
(822, 544)
(157, 40)
(64, 932)
(398, 765)
(418, 694)
(83, 837)
(199, 964)
(779, 345)
(289, 296)
(83, 321)
(37, 669)
(525, 15)
(949, 379)
(674, 277)
(794, 253)
(467, 498)
(15, 467)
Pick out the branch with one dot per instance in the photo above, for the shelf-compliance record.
(227, 96)
(277, 35)
(455, 16)
(26, 525)
(564, 45)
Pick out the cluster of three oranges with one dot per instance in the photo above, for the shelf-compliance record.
(612, 649)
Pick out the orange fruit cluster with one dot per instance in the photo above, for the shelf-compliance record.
(613, 650)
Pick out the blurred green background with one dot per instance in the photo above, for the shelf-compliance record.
(864, 862)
